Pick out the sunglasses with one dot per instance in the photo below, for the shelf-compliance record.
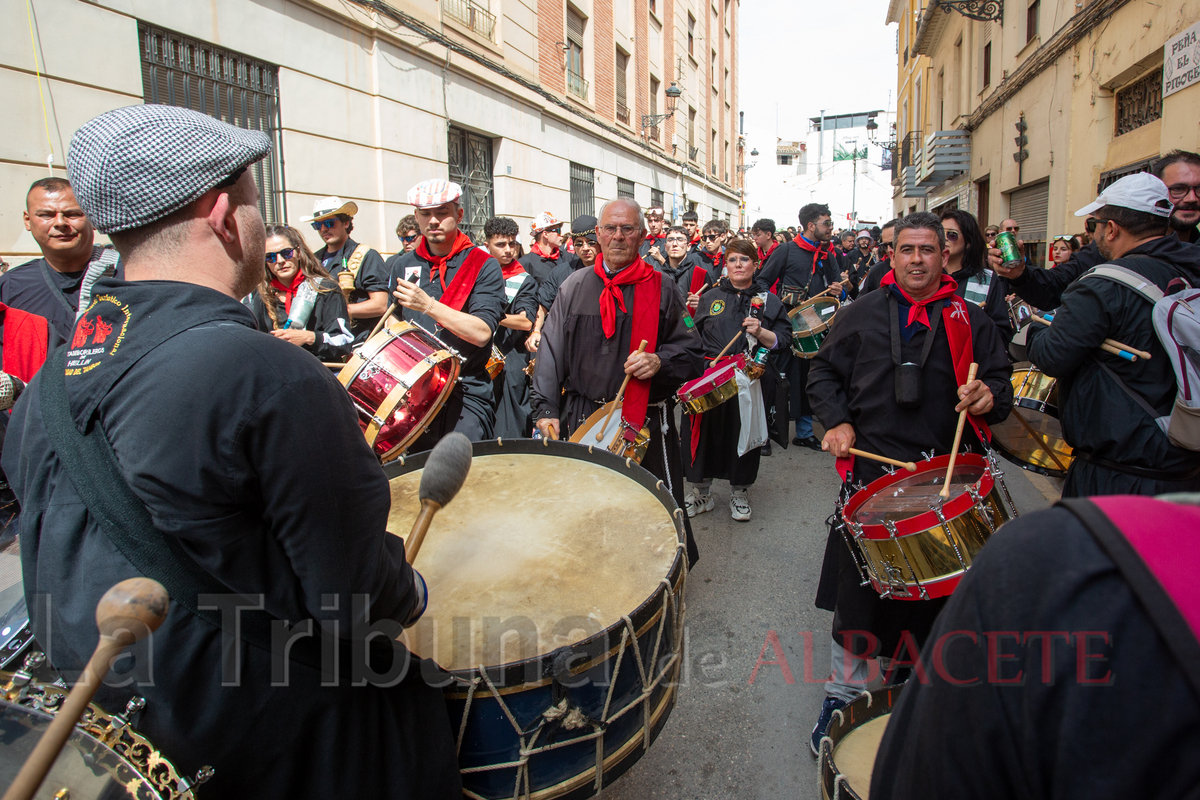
(409, 239)
(284, 255)
(1013, 229)
(951, 236)
(991, 234)
(1090, 225)
(327, 224)
(708, 237)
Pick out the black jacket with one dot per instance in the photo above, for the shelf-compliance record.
(875, 275)
(373, 276)
(792, 265)
(1043, 288)
(330, 321)
(1098, 417)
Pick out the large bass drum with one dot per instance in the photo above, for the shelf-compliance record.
(105, 758)
(556, 581)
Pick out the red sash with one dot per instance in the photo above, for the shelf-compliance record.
(26, 340)
(647, 299)
(699, 278)
(455, 295)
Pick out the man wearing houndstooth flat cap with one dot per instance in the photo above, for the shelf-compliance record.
(243, 484)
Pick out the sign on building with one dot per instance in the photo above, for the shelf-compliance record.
(1181, 61)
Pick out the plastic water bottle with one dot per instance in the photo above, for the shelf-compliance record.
(302, 306)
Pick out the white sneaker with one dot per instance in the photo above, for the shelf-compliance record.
(699, 503)
(739, 506)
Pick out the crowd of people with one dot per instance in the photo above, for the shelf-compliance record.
(195, 357)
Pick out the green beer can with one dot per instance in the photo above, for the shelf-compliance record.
(1009, 252)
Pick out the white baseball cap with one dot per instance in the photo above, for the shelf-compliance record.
(543, 221)
(1140, 191)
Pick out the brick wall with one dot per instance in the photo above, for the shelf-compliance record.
(605, 60)
(551, 28)
(640, 96)
(670, 33)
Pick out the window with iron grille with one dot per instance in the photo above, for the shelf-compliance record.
(622, 79)
(470, 162)
(1140, 102)
(657, 198)
(583, 191)
(243, 91)
(624, 188)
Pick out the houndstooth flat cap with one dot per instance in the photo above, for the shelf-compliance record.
(135, 165)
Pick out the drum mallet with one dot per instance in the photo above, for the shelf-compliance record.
(384, 318)
(620, 396)
(444, 473)
(1110, 345)
(127, 613)
(908, 465)
(962, 420)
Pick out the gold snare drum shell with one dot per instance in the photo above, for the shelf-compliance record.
(711, 399)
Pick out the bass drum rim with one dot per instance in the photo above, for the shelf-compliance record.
(859, 711)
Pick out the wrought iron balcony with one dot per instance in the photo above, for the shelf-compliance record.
(473, 15)
(946, 155)
(576, 85)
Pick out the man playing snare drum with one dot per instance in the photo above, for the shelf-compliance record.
(879, 384)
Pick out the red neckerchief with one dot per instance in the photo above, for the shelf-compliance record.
(695, 239)
(514, 268)
(647, 297)
(552, 255)
(957, 322)
(26, 341)
(650, 237)
(819, 253)
(716, 259)
(437, 264)
(699, 278)
(764, 256)
(288, 291)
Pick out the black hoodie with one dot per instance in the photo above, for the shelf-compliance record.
(1099, 418)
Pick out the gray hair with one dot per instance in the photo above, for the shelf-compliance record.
(923, 220)
(627, 201)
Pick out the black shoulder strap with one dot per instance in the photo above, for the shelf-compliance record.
(92, 466)
(55, 291)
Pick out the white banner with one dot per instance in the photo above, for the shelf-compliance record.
(1181, 61)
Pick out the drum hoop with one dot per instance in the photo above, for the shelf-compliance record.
(687, 392)
(824, 326)
(372, 347)
(396, 395)
(1049, 472)
(596, 647)
(866, 707)
(919, 523)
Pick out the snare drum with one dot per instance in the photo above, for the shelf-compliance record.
(715, 386)
(15, 634)
(1038, 445)
(104, 756)
(495, 363)
(561, 627)
(399, 380)
(848, 750)
(810, 324)
(607, 431)
(908, 542)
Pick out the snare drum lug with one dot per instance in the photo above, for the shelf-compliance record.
(973, 491)
(928, 455)
(891, 527)
(889, 469)
(187, 787)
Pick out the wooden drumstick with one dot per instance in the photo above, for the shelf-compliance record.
(384, 318)
(332, 364)
(962, 420)
(620, 396)
(1042, 440)
(125, 614)
(1110, 345)
(732, 341)
(908, 465)
(444, 473)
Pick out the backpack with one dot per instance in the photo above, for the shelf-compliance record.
(1176, 320)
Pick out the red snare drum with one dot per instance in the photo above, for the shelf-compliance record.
(399, 380)
(714, 387)
(908, 542)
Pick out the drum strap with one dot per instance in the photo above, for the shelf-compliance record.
(92, 467)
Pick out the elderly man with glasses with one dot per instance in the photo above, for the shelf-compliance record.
(590, 343)
(360, 272)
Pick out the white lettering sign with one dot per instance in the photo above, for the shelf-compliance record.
(1181, 61)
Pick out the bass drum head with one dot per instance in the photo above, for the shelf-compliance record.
(15, 634)
(848, 751)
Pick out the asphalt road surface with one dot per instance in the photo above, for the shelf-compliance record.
(730, 736)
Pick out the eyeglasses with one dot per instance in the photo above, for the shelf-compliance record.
(676, 240)
(409, 239)
(626, 230)
(284, 254)
(1182, 190)
(1013, 229)
(951, 236)
(327, 224)
(1096, 222)
(990, 234)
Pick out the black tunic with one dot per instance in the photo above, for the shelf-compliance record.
(471, 408)
(1049, 735)
(373, 276)
(1128, 451)
(719, 317)
(792, 265)
(1043, 288)
(851, 380)
(513, 416)
(329, 321)
(576, 356)
(248, 452)
(682, 275)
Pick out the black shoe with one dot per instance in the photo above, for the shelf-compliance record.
(766, 449)
(810, 442)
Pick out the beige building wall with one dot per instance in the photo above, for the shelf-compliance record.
(1064, 80)
(366, 101)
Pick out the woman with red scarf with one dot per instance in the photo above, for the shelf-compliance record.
(290, 265)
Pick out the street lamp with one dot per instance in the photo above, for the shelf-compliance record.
(673, 93)
(744, 167)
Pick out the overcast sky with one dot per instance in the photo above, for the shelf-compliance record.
(804, 55)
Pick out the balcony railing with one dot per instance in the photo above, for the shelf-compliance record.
(473, 15)
(576, 85)
(622, 113)
(693, 152)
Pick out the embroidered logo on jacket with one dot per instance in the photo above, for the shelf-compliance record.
(98, 333)
(716, 308)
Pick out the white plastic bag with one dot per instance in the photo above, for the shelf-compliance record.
(753, 413)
